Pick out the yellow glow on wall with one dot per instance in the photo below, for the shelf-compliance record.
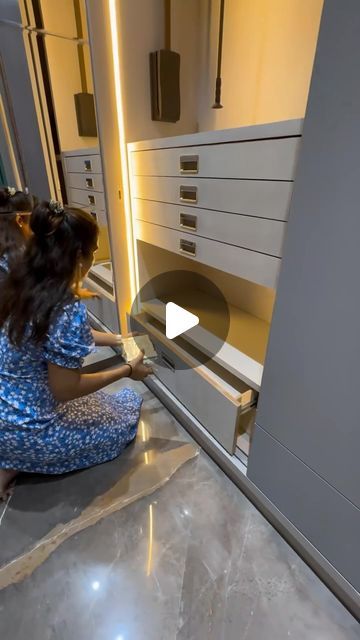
(133, 268)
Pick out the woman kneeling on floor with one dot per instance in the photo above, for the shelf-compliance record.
(53, 418)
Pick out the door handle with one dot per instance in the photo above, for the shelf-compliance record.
(188, 221)
(188, 247)
(189, 164)
(188, 194)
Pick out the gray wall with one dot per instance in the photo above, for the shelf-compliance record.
(12, 52)
(306, 449)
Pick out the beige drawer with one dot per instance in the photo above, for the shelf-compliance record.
(92, 181)
(259, 159)
(83, 164)
(250, 265)
(91, 199)
(257, 234)
(264, 199)
(212, 400)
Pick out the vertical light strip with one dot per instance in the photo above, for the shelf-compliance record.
(151, 535)
(123, 154)
(144, 439)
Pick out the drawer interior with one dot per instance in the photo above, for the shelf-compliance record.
(229, 385)
(218, 403)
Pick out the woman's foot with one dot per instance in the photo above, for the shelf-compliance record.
(7, 477)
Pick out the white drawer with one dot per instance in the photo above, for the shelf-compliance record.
(83, 164)
(257, 234)
(213, 401)
(259, 159)
(91, 182)
(93, 199)
(264, 199)
(253, 266)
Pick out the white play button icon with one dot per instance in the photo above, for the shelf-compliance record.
(178, 320)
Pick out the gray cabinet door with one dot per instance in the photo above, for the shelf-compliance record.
(305, 452)
(311, 382)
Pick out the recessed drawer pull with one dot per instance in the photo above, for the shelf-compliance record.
(188, 221)
(188, 194)
(167, 362)
(89, 183)
(91, 199)
(189, 164)
(94, 214)
(188, 247)
(87, 165)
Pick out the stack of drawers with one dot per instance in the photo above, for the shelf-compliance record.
(84, 181)
(220, 198)
(85, 189)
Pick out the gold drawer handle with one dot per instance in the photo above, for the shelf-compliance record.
(188, 247)
(87, 165)
(91, 199)
(188, 194)
(189, 164)
(89, 183)
(188, 221)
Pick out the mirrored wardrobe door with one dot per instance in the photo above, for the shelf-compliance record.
(59, 54)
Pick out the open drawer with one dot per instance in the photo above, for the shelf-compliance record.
(216, 399)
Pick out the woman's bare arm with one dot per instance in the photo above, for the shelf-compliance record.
(68, 384)
(103, 339)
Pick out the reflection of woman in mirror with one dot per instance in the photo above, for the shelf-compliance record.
(15, 210)
(53, 417)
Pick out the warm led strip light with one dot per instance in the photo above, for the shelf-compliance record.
(133, 267)
(151, 541)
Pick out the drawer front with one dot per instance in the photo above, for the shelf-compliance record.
(253, 266)
(215, 411)
(83, 164)
(92, 181)
(258, 159)
(264, 199)
(90, 199)
(99, 215)
(257, 234)
(103, 308)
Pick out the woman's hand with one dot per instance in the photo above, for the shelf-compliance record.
(85, 294)
(115, 340)
(140, 371)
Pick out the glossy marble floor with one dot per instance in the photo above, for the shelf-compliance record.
(157, 545)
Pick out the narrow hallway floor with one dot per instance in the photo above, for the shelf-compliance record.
(156, 545)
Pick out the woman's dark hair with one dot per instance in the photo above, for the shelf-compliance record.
(11, 237)
(39, 285)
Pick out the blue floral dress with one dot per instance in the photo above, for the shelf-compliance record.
(38, 434)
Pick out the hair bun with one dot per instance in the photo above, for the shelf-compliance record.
(46, 218)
